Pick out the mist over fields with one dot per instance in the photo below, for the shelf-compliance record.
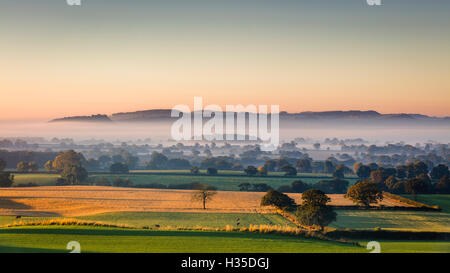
(159, 131)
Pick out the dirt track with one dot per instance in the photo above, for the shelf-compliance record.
(85, 200)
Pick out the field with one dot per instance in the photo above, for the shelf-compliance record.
(171, 219)
(229, 180)
(393, 220)
(96, 239)
(441, 200)
(190, 220)
(85, 200)
(170, 210)
(413, 246)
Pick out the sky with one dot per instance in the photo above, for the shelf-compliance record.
(109, 56)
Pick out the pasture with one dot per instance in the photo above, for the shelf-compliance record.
(98, 239)
(441, 200)
(413, 246)
(189, 220)
(393, 220)
(229, 180)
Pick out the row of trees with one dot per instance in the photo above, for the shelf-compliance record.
(413, 178)
(314, 209)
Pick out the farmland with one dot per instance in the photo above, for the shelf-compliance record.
(441, 200)
(226, 180)
(97, 239)
(85, 200)
(393, 220)
(157, 215)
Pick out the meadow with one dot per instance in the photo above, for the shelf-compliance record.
(106, 240)
(441, 200)
(225, 180)
(393, 220)
(189, 220)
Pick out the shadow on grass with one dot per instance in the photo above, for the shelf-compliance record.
(94, 231)
(10, 249)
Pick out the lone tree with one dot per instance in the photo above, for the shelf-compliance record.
(278, 199)
(364, 193)
(204, 193)
(314, 210)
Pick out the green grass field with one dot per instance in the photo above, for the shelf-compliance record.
(36, 178)
(186, 219)
(221, 182)
(96, 239)
(441, 200)
(394, 220)
(412, 246)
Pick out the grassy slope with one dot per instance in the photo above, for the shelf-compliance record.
(396, 220)
(174, 219)
(442, 200)
(54, 239)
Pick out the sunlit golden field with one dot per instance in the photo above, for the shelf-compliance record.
(87, 200)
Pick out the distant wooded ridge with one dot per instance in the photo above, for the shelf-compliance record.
(164, 114)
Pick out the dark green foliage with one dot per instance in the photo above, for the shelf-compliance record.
(364, 193)
(363, 172)
(195, 170)
(2, 164)
(278, 199)
(443, 185)
(417, 185)
(6, 179)
(211, 171)
(289, 170)
(102, 182)
(119, 182)
(335, 186)
(74, 174)
(314, 210)
(439, 171)
(119, 168)
(251, 170)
